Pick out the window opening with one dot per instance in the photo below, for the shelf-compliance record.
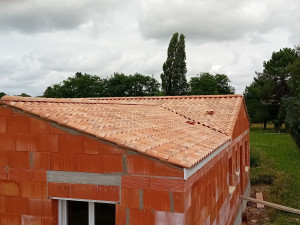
(77, 212)
(104, 214)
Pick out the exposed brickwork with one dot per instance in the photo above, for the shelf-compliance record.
(151, 191)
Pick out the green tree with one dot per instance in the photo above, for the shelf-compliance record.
(2, 94)
(257, 110)
(292, 103)
(79, 86)
(294, 81)
(208, 84)
(174, 76)
(143, 85)
(277, 74)
(118, 85)
(203, 84)
(271, 86)
(223, 86)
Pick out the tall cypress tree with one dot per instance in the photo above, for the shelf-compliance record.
(174, 76)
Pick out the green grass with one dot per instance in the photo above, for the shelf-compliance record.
(275, 163)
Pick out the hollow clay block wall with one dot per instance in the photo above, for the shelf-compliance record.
(29, 147)
(24, 159)
(150, 192)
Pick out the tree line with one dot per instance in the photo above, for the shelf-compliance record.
(173, 80)
(121, 85)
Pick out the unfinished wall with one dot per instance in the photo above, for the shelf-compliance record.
(39, 160)
(24, 158)
(212, 193)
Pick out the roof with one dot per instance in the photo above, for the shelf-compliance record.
(181, 130)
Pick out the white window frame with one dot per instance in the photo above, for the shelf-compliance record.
(63, 212)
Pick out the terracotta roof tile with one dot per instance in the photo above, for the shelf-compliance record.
(181, 130)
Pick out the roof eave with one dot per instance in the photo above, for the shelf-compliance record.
(189, 172)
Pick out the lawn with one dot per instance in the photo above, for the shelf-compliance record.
(275, 166)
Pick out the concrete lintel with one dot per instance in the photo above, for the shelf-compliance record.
(82, 200)
(83, 178)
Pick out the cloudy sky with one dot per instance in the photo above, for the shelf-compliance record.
(42, 42)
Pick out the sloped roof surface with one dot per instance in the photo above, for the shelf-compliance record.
(181, 130)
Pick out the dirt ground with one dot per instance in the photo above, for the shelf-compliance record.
(252, 214)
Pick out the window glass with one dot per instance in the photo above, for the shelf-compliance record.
(78, 213)
(104, 214)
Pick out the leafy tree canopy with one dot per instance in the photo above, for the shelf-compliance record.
(294, 81)
(132, 85)
(208, 84)
(223, 85)
(257, 110)
(118, 85)
(174, 76)
(79, 86)
(269, 87)
(292, 103)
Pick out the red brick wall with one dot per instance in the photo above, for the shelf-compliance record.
(26, 145)
(29, 147)
(206, 192)
(207, 198)
(151, 191)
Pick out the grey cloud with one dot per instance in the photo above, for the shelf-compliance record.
(31, 16)
(236, 56)
(74, 60)
(255, 38)
(216, 20)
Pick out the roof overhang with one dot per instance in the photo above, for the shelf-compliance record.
(189, 172)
